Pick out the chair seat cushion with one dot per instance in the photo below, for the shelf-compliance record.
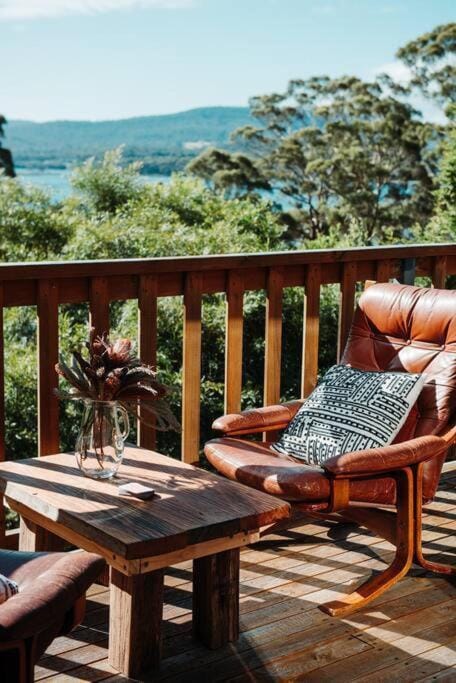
(254, 463)
(49, 585)
(350, 410)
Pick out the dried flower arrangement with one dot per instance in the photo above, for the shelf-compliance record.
(112, 373)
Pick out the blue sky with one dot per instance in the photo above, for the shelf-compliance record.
(109, 59)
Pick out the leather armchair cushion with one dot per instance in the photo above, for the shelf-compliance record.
(254, 464)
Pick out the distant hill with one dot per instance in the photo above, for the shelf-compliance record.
(164, 143)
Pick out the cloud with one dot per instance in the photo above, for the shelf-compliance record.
(11, 10)
(399, 72)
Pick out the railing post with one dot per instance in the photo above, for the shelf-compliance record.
(347, 305)
(191, 374)
(439, 272)
(383, 270)
(147, 334)
(48, 355)
(273, 342)
(234, 339)
(273, 337)
(99, 304)
(311, 331)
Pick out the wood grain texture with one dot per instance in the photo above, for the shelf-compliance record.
(347, 305)
(405, 539)
(33, 538)
(311, 332)
(48, 355)
(147, 333)
(135, 622)
(75, 277)
(99, 303)
(406, 635)
(184, 264)
(234, 340)
(191, 506)
(439, 271)
(216, 598)
(384, 270)
(273, 337)
(191, 371)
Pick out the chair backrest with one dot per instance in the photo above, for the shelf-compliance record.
(412, 329)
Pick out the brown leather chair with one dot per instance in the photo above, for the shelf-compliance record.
(50, 602)
(395, 327)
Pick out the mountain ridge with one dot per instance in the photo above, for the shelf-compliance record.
(156, 139)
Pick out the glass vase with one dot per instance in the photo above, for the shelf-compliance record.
(101, 438)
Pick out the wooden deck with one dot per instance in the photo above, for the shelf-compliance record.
(409, 634)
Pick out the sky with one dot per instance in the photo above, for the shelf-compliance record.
(111, 59)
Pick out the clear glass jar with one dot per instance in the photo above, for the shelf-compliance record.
(100, 442)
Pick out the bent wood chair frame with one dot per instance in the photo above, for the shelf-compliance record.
(402, 528)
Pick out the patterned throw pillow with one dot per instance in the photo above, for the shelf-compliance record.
(8, 587)
(350, 410)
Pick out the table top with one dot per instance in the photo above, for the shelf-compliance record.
(191, 505)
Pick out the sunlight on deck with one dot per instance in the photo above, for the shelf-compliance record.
(408, 634)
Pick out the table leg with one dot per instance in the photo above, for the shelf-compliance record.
(135, 618)
(34, 538)
(216, 598)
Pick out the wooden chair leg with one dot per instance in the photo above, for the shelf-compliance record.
(402, 562)
(419, 558)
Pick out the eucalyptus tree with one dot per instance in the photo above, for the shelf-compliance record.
(431, 59)
(6, 158)
(333, 152)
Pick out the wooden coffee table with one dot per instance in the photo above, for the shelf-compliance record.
(194, 515)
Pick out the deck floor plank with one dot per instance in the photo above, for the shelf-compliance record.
(406, 635)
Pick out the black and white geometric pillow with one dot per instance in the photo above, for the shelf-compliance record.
(8, 587)
(350, 410)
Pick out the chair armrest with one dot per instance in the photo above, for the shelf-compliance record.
(256, 420)
(387, 458)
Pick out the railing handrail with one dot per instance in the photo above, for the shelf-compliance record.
(147, 266)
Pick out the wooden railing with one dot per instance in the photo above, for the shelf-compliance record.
(47, 285)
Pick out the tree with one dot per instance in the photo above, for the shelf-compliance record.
(333, 151)
(6, 158)
(431, 59)
(443, 224)
(31, 225)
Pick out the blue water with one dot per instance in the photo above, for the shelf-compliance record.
(57, 181)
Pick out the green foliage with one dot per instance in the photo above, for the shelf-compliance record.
(336, 151)
(30, 224)
(442, 227)
(182, 217)
(103, 186)
(115, 216)
(446, 194)
(431, 59)
(2, 125)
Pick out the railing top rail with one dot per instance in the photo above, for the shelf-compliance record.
(143, 266)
